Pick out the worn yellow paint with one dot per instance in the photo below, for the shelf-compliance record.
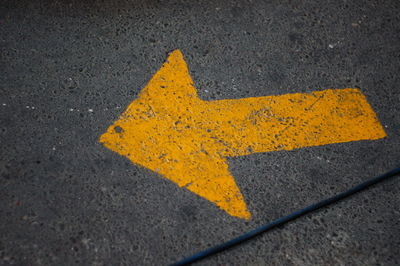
(171, 131)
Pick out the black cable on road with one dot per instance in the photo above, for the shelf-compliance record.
(238, 240)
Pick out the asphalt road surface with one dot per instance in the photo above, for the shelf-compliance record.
(68, 69)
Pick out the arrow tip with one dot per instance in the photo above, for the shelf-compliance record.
(171, 83)
(176, 53)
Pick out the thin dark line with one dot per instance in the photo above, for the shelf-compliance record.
(262, 229)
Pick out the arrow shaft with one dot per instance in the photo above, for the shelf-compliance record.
(292, 121)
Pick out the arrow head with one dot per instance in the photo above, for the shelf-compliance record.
(163, 130)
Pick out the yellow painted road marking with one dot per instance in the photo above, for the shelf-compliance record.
(171, 131)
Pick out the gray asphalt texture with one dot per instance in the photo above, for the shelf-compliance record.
(69, 68)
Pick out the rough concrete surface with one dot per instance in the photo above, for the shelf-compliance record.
(68, 69)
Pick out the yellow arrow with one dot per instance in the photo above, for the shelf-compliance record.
(171, 131)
